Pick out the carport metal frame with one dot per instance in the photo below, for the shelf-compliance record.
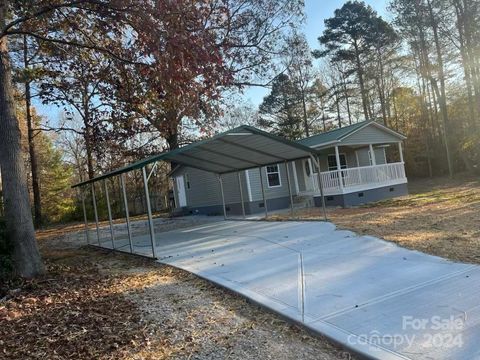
(180, 155)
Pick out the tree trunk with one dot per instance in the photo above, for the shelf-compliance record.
(347, 98)
(305, 118)
(18, 215)
(37, 205)
(172, 140)
(88, 148)
(381, 88)
(442, 93)
(337, 102)
(361, 81)
(459, 11)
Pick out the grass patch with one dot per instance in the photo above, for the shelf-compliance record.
(439, 217)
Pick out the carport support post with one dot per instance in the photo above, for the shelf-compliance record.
(289, 187)
(241, 193)
(95, 212)
(127, 215)
(82, 195)
(320, 185)
(112, 234)
(223, 197)
(149, 211)
(263, 193)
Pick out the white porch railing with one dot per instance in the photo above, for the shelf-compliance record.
(360, 178)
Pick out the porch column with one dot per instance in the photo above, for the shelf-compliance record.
(339, 169)
(400, 151)
(372, 155)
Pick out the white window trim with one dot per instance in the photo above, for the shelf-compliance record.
(340, 154)
(279, 177)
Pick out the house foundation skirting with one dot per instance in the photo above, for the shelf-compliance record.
(344, 200)
(252, 207)
(364, 196)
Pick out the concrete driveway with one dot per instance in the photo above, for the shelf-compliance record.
(372, 296)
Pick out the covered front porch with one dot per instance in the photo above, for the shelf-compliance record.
(352, 168)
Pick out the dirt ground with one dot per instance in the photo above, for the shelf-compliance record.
(441, 216)
(95, 304)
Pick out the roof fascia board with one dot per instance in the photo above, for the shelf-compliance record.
(324, 145)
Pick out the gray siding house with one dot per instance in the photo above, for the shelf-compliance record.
(360, 163)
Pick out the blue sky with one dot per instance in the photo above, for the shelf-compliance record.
(316, 11)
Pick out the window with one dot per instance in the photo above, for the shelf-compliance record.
(187, 181)
(332, 162)
(273, 176)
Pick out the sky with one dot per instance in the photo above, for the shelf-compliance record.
(316, 12)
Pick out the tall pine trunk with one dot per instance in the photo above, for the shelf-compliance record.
(18, 216)
(306, 126)
(441, 93)
(361, 82)
(37, 205)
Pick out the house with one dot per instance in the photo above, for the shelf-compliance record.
(360, 163)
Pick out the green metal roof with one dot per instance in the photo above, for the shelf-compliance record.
(339, 134)
(244, 147)
(332, 135)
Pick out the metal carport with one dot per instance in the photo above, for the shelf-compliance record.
(239, 149)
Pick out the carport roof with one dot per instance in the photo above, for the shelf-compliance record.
(242, 148)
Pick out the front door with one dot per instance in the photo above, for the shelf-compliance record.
(181, 196)
(308, 175)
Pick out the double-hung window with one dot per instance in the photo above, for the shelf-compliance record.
(332, 162)
(273, 176)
